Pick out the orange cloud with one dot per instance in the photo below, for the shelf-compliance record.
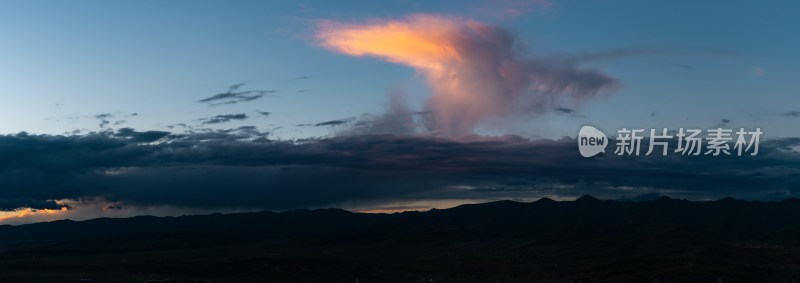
(29, 212)
(473, 68)
(421, 42)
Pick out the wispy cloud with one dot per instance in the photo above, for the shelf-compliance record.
(224, 118)
(331, 123)
(723, 123)
(567, 111)
(298, 78)
(232, 96)
(791, 114)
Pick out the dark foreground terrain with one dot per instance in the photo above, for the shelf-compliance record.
(662, 240)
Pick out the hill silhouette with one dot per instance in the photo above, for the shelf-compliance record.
(587, 239)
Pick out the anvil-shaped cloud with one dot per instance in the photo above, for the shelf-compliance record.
(475, 70)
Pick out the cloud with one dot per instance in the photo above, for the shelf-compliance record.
(103, 116)
(474, 69)
(134, 136)
(791, 114)
(181, 125)
(264, 113)
(298, 78)
(243, 133)
(242, 168)
(224, 118)
(564, 110)
(328, 123)
(21, 203)
(398, 118)
(567, 111)
(233, 97)
(331, 123)
(103, 119)
(723, 123)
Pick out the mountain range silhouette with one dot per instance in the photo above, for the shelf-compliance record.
(662, 239)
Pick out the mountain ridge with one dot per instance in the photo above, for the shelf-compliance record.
(588, 239)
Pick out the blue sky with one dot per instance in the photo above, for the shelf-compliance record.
(64, 62)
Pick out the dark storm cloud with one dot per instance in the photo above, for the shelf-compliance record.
(232, 96)
(224, 118)
(243, 168)
(12, 204)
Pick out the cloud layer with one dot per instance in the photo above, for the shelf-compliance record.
(243, 169)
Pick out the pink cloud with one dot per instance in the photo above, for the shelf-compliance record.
(473, 69)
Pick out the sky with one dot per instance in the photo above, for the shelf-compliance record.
(120, 108)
